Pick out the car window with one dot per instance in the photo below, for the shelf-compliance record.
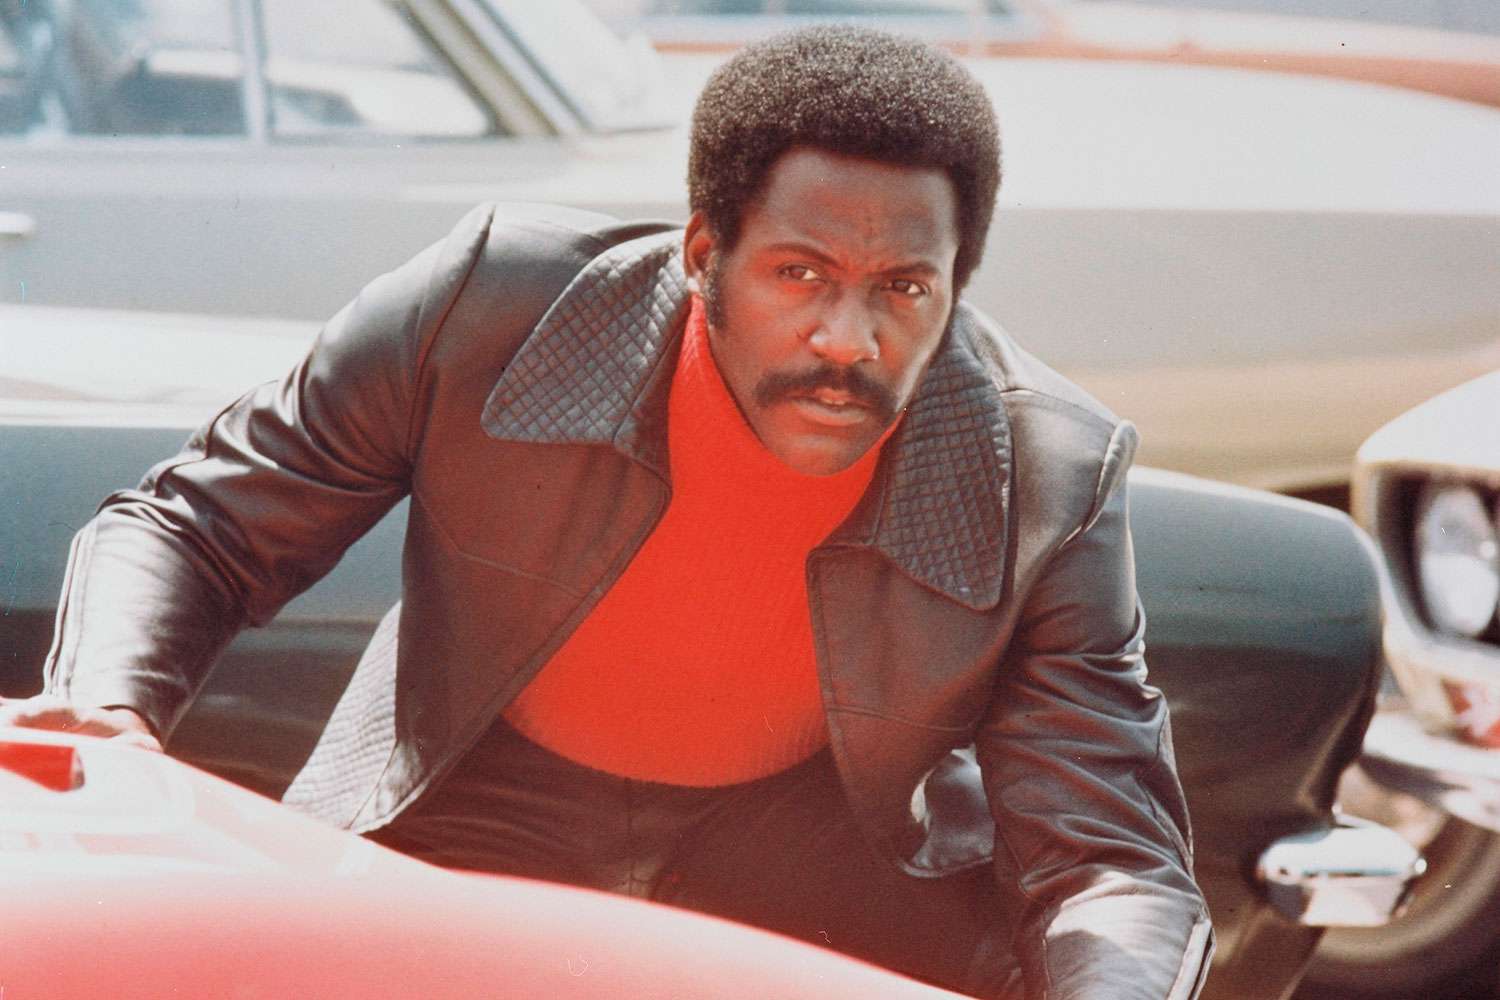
(609, 82)
(368, 70)
(120, 67)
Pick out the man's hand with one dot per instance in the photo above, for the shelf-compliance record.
(50, 712)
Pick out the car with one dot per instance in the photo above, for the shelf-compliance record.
(1258, 269)
(132, 875)
(1316, 37)
(1427, 487)
(1448, 15)
(1263, 624)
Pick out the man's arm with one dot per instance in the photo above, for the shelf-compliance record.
(261, 502)
(1092, 827)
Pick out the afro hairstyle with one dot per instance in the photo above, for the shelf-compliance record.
(850, 91)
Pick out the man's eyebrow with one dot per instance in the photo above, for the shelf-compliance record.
(918, 266)
(800, 249)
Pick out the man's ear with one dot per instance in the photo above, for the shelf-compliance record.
(698, 248)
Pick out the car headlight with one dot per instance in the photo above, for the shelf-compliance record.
(1458, 558)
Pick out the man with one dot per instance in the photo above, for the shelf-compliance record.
(746, 568)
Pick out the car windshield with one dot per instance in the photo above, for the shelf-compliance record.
(610, 82)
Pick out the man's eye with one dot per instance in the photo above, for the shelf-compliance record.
(799, 272)
(911, 289)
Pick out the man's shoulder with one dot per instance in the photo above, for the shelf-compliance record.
(500, 269)
(522, 235)
(502, 259)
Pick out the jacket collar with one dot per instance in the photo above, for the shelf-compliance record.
(598, 368)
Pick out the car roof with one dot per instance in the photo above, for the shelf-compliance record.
(1083, 134)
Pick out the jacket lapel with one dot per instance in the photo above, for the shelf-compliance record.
(601, 359)
(944, 494)
(599, 365)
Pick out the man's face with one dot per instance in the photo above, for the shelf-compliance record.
(824, 315)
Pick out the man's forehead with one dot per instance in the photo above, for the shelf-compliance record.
(813, 196)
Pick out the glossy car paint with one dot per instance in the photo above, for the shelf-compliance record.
(154, 879)
(1263, 631)
(1263, 614)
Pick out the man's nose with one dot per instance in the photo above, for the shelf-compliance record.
(846, 333)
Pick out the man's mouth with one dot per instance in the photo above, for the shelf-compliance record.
(837, 397)
(833, 407)
(828, 396)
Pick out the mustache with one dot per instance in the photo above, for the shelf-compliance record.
(861, 387)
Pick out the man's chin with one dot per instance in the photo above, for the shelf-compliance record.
(820, 454)
(813, 443)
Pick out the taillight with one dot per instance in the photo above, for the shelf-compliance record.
(51, 765)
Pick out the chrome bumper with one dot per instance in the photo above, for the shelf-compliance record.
(1355, 874)
(1444, 772)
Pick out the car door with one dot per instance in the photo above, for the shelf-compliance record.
(261, 157)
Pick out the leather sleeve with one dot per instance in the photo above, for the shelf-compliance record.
(1092, 835)
(261, 502)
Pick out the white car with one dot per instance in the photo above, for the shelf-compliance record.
(1427, 487)
(1258, 269)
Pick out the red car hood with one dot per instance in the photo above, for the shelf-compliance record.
(131, 875)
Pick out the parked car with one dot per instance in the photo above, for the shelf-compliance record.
(1303, 36)
(1427, 486)
(1449, 15)
(1263, 612)
(1259, 269)
(133, 876)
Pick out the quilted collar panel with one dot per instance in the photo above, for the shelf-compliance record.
(598, 367)
(601, 355)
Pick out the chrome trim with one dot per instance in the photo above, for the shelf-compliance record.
(487, 26)
(1461, 779)
(517, 106)
(251, 29)
(1354, 874)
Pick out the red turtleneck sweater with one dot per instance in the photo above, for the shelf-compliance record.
(697, 667)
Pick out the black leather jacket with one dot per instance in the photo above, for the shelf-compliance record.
(975, 619)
